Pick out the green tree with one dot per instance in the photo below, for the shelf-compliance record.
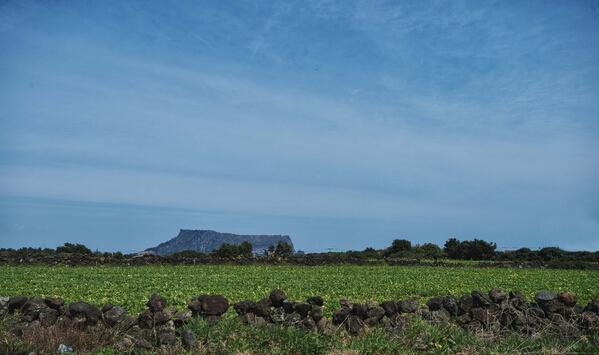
(398, 247)
(226, 251)
(245, 249)
(283, 250)
(73, 249)
(452, 248)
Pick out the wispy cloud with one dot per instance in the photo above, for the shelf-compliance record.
(424, 120)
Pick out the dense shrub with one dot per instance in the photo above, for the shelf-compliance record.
(73, 249)
(470, 249)
(398, 246)
(233, 250)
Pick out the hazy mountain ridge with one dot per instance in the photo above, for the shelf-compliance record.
(208, 240)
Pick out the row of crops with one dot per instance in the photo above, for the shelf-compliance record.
(130, 286)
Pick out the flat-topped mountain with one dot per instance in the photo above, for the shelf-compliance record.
(207, 240)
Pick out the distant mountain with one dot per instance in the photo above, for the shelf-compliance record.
(207, 240)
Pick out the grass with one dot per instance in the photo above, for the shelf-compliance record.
(131, 286)
(231, 337)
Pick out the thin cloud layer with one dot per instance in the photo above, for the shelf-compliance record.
(344, 125)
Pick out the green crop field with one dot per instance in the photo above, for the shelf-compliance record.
(130, 286)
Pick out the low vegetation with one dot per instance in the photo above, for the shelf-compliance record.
(128, 286)
(400, 252)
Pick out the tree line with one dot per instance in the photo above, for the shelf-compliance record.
(400, 249)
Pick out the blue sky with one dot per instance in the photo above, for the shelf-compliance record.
(343, 124)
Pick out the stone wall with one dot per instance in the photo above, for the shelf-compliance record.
(496, 311)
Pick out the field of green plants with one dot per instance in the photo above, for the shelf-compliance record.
(131, 286)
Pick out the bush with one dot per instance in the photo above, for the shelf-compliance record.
(470, 249)
(398, 246)
(74, 249)
(283, 250)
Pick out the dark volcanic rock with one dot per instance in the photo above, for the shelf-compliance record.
(54, 303)
(48, 317)
(407, 306)
(302, 309)
(545, 296)
(466, 303)
(288, 306)
(209, 305)
(435, 303)
(206, 241)
(32, 308)
(16, 303)
(390, 308)
(341, 315)
(450, 304)
(292, 319)
(360, 310)
(84, 311)
(145, 319)
(354, 325)
(480, 299)
(315, 300)
(262, 308)
(481, 314)
(316, 313)
(278, 315)
(156, 303)
(567, 298)
(497, 295)
(374, 315)
(181, 317)
(593, 306)
(244, 307)
(277, 297)
(162, 317)
(114, 315)
(553, 306)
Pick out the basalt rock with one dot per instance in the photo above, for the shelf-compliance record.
(543, 297)
(84, 313)
(114, 316)
(340, 315)
(407, 306)
(48, 317)
(277, 297)
(263, 309)
(156, 303)
(567, 298)
(593, 306)
(209, 305)
(15, 303)
(302, 309)
(466, 303)
(316, 313)
(450, 304)
(244, 307)
(32, 308)
(181, 317)
(54, 303)
(390, 308)
(480, 299)
(315, 301)
(435, 303)
(497, 295)
(354, 325)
